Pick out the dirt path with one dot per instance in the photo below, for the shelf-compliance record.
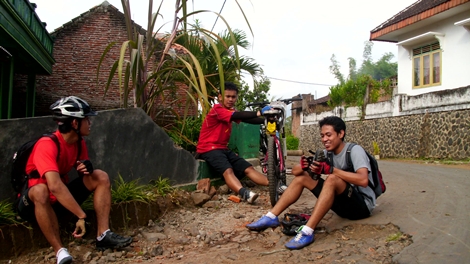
(216, 233)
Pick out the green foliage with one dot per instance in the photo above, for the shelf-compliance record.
(148, 65)
(376, 148)
(365, 85)
(161, 186)
(185, 132)
(292, 142)
(259, 93)
(288, 125)
(7, 215)
(130, 191)
(394, 237)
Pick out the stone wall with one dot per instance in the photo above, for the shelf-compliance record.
(437, 135)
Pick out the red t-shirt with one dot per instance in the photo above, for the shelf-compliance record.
(216, 129)
(43, 158)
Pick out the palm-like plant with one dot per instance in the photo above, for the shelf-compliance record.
(148, 70)
(217, 56)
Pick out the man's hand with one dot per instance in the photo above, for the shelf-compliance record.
(84, 167)
(79, 228)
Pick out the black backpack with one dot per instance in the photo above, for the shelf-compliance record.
(378, 185)
(19, 178)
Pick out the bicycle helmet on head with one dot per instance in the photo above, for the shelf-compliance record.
(71, 106)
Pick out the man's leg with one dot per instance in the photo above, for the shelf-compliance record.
(45, 215)
(231, 180)
(290, 196)
(326, 194)
(256, 176)
(332, 187)
(98, 182)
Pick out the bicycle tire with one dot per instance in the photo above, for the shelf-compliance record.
(273, 171)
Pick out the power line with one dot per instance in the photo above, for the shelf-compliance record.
(284, 80)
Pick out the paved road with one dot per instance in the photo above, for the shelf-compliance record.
(429, 202)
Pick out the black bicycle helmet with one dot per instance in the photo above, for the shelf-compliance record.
(71, 106)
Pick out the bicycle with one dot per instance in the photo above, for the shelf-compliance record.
(273, 145)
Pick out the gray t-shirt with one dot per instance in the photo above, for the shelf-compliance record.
(359, 160)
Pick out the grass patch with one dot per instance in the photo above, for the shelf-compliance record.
(394, 237)
(161, 186)
(7, 214)
(130, 191)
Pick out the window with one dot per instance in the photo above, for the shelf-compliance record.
(427, 66)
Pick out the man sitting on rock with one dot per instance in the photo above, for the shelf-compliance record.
(346, 193)
(49, 194)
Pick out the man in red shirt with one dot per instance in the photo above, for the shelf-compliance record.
(50, 194)
(215, 135)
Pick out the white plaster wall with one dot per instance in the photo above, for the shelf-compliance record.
(455, 57)
(400, 105)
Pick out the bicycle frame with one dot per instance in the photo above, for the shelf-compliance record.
(273, 145)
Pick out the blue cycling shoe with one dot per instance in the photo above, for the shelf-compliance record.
(263, 223)
(300, 240)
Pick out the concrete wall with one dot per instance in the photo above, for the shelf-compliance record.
(455, 55)
(124, 141)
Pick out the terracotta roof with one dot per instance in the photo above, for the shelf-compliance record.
(105, 6)
(320, 100)
(414, 13)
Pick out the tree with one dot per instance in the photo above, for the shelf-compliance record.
(365, 85)
(147, 67)
(259, 93)
(216, 55)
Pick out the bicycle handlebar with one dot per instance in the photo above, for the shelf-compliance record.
(286, 101)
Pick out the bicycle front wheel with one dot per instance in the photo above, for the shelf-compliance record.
(274, 172)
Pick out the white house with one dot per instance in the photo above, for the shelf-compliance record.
(433, 40)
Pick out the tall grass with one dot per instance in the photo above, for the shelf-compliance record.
(7, 214)
(130, 191)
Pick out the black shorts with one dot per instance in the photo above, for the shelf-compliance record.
(349, 204)
(221, 160)
(76, 187)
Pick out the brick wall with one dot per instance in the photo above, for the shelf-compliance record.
(78, 47)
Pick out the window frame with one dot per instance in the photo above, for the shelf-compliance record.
(419, 54)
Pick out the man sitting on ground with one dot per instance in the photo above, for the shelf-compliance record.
(345, 192)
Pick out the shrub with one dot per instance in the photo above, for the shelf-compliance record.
(292, 142)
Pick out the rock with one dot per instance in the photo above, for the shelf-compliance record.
(204, 185)
(223, 189)
(212, 191)
(87, 256)
(200, 198)
(154, 236)
(237, 215)
(211, 204)
(156, 251)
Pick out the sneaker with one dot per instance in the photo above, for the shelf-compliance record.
(252, 196)
(63, 256)
(113, 240)
(300, 240)
(282, 189)
(263, 223)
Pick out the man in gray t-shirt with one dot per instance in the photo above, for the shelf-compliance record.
(343, 191)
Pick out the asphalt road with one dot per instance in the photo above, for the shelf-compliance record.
(431, 203)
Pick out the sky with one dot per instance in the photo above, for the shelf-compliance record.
(292, 40)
